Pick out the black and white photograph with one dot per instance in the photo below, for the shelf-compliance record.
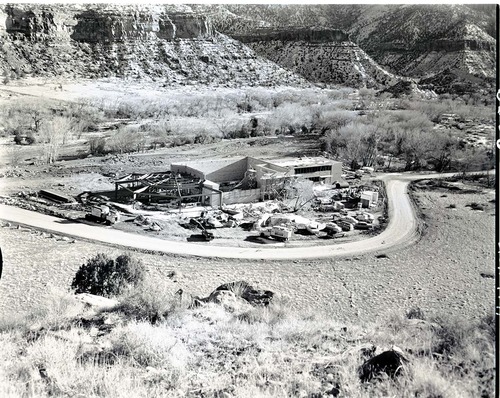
(235, 200)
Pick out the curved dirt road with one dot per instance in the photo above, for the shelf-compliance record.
(401, 231)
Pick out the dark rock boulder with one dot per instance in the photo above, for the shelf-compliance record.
(390, 362)
(247, 292)
(230, 301)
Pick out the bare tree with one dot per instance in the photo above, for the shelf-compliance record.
(53, 135)
(331, 120)
(124, 140)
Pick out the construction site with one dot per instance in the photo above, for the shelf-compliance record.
(239, 200)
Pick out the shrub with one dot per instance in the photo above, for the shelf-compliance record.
(18, 138)
(452, 336)
(125, 140)
(149, 301)
(415, 313)
(148, 345)
(108, 277)
(97, 145)
(488, 325)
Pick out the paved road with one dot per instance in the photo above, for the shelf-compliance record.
(401, 231)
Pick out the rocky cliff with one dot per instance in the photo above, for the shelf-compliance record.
(346, 44)
(103, 24)
(172, 44)
(310, 35)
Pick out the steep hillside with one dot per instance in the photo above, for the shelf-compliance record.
(321, 55)
(419, 40)
(167, 43)
(412, 40)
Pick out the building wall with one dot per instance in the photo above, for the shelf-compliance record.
(328, 176)
(262, 168)
(336, 171)
(241, 196)
(232, 172)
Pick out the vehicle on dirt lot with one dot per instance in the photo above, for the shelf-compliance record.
(346, 226)
(326, 207)
(367, 217)
(277, 232)
(103, 214)
(332, 229)
(208, 236)
(349, 219)
(315, 227)
(363, 225)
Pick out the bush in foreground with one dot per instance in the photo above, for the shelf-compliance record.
(108, 277)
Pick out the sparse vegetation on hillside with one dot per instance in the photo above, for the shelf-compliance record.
(216, 351)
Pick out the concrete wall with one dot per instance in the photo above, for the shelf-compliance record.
(336, 171)
(232, 172)
(241, 196)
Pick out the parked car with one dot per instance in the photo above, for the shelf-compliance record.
(367, 217)
(326, 207)
(314, 227)
(349, 219)
(332, 229)
(362, 225)
(345, 226)
(336, 216)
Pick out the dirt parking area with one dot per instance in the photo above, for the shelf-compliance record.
(450, 270)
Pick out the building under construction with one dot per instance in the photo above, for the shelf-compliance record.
(229, 180)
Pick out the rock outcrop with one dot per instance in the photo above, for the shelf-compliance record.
(98, 24)
(255, 297)
(391, 363)
(171, 44)
(104, 26)
(236, 297)
(449, 47)
(310, 35)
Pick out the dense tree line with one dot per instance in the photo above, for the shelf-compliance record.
(406, 136)
(362, 128)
